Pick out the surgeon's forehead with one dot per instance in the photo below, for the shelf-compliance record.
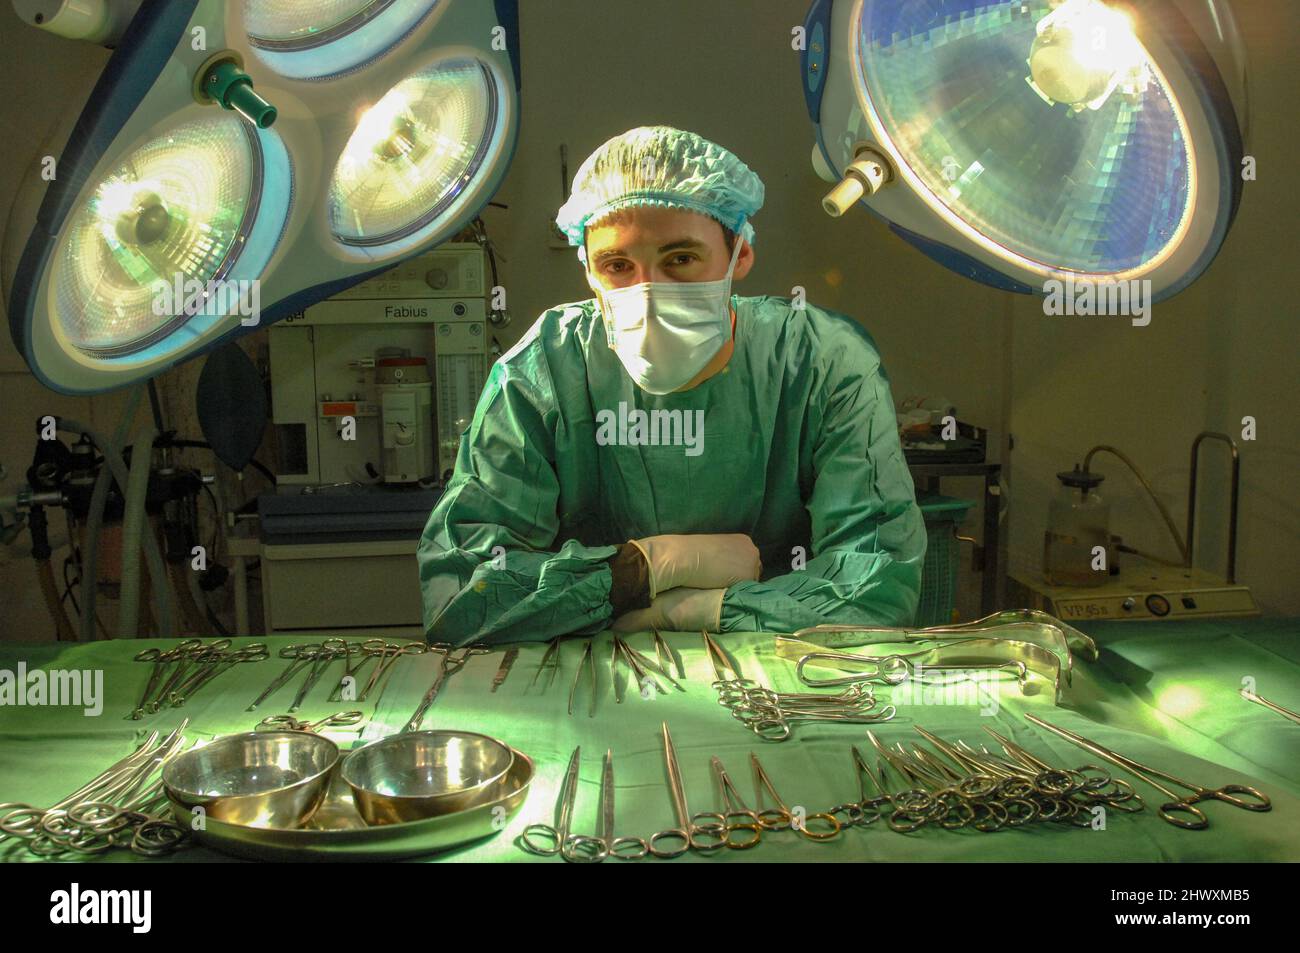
(662, 229)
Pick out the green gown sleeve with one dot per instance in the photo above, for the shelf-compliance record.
(868, 535)
(491, 566)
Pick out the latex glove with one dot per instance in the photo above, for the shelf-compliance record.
(677, 610)
(699, 561)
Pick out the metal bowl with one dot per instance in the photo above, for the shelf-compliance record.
(422, 774)
(338, 832)
(257, 779)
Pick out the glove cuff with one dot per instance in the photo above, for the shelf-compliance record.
(643, 547)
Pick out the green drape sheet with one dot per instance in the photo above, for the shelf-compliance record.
(1163, 693)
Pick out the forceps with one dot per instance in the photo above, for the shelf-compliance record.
(161, 658)
(300, 656)
(183, 654)
(1271, 706)
(547, 840)
(256, 652)
(1178, 805)
(289, 723)
(323, 658)
(361, 650)
(453, 660)
(551, 660)
(587, 661)
(667, 658)
(388, 653)
(721, 663)
(640, 664)
(634, 662)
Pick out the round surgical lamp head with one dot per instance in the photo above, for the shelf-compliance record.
(160, 252)
(1019, 142)
(320, 39)
(182, 205)
(411, 155)
(208, 189)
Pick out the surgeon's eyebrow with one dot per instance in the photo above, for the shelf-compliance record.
(689, 244)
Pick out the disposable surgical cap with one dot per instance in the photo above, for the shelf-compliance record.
(666, 167)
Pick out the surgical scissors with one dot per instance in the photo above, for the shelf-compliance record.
(1171, 810)
(705, 838)
(557, 838)
(864, 810)
(289, 723)
(733, 805)
(781, 817)
(453, 660)
(620, 848)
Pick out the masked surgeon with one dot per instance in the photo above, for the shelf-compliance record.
(667, 455)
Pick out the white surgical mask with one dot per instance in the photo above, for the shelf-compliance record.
(665, 332)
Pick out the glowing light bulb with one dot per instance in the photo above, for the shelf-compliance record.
(378, 124)
(1083, 51)
(412, 153)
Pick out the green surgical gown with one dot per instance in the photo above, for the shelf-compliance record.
(799, 449)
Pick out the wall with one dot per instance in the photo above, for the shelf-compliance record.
(1224, 349)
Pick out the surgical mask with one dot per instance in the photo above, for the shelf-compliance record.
(665, 332)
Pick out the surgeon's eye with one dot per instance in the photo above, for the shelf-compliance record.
(678, 261)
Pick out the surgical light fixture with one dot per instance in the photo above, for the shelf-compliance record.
(1020, 141)
(412, 153)
(354, 134)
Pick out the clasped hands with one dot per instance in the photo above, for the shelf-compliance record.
(688, 576)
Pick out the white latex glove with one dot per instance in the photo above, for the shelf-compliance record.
(677, 610)
(699, 561)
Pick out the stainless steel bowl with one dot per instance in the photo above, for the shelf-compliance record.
(423, 774)
(257, 779)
